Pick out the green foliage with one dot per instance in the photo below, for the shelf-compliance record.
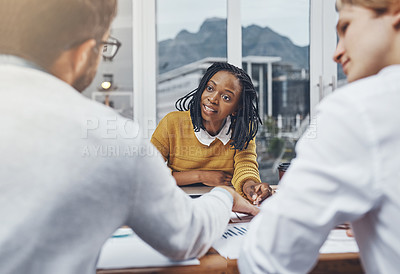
(271, 126)
(275, 146)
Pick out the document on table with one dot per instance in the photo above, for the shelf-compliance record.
(339, 242)
(127, 250)
(231, 241)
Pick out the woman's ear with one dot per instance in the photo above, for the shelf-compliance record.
(235, 113)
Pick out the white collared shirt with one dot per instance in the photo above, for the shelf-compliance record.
(206, 139)
(346, 170)
(46, 120)
(18, 61)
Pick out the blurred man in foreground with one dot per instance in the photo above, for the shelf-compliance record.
(350, 170)
(72, 170)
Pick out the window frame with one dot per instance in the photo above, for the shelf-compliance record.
(323, 37)
(323, 71)
(144, 65)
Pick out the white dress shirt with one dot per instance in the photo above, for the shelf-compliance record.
(73, 171)
(347, 169)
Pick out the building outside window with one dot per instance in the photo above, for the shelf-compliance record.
(275, 53)
(286, 48)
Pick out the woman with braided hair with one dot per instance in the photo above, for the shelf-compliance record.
(211, 138)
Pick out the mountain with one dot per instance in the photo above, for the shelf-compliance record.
(210, 41)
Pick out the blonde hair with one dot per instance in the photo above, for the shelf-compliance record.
(379, 6)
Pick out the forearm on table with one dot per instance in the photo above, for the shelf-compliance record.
(190, 226)
(238, 186)
(187, 177)
(246, 170)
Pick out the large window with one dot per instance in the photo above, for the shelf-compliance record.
(190, 36)
(286, 47)
(275, 53)
(113, 84)
(275, 50)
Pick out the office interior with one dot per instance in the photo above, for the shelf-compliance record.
(285, 46)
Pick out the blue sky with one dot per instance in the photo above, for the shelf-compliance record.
(287, 17)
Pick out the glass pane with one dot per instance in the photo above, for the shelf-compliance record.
(275, 49)
(191, 36)
(113, 83)
(342, 78)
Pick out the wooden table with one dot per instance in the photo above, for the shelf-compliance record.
(338, 263)
(214, 263)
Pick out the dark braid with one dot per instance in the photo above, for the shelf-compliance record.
(244, 125)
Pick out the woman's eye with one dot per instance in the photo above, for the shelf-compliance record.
(226, 97)
(209, 88)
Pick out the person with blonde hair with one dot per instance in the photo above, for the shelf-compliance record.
(350, 171)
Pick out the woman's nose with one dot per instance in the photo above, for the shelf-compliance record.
(213, 98)
(338, 54)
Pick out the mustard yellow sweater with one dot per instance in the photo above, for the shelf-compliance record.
(175, 139)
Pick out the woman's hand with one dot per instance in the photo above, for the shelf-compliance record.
(257, 192)
(215, 178)
(240, 204)
(349, 232)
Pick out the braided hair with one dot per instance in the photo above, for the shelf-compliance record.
(244, 125)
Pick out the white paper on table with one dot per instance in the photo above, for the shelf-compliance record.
(131, 251)
(339, 242)
(229, 245)
(231, 241)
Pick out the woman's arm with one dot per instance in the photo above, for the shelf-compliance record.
(246, 177)
(164, 216)
(210, 178)
(164, 143)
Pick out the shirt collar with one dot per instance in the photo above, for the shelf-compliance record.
(389, 69)
(18, 61)
(206, 139)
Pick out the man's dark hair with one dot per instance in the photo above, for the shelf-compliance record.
(244, 125)
(40, 30)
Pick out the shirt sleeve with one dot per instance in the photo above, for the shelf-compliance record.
(168, 219)
(329, 183)
(245, 167)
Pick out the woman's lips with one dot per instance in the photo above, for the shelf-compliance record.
(208, 109)
(344, 66)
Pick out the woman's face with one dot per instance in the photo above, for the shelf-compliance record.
(365, 41)
(220, 98)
